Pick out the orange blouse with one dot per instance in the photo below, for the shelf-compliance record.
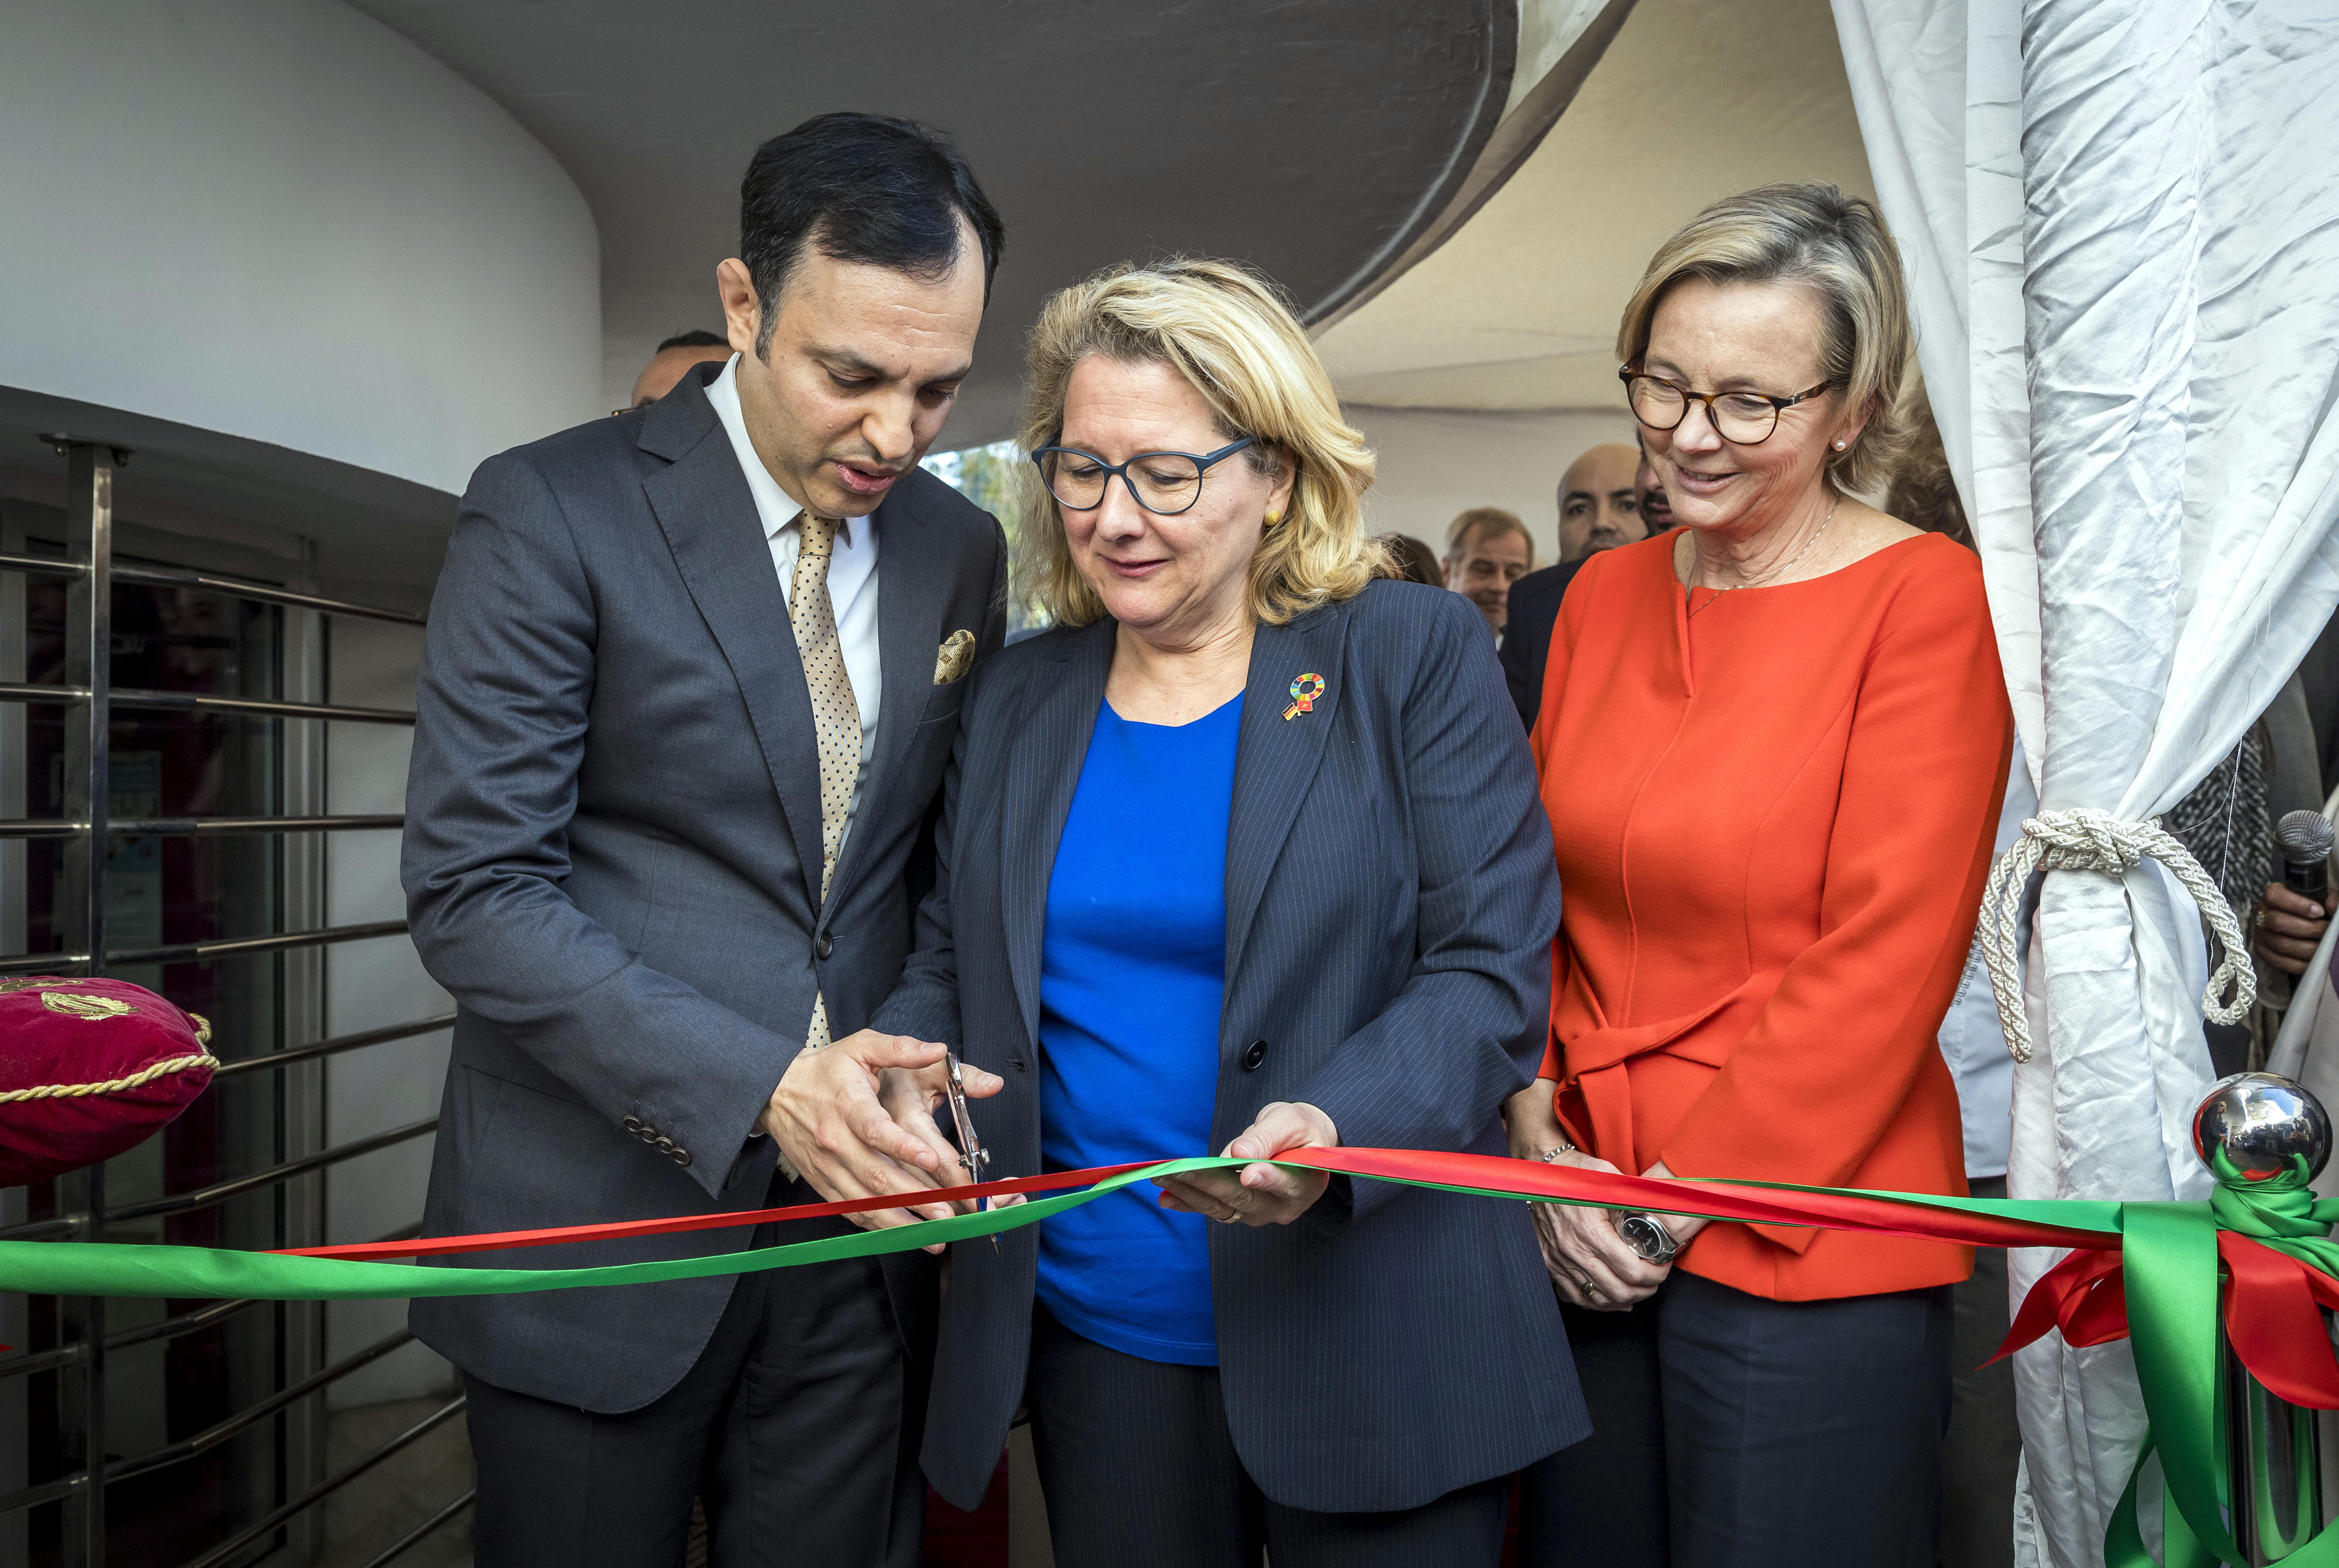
(1773, 817)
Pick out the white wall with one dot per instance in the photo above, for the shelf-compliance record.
(1434, 463)
(279, 220)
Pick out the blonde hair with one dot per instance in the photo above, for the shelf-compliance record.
(1811, 236)
(1230, 334)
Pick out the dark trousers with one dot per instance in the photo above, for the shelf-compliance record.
(798, 1427)
(1984, 1444)
(1729, 1431)
(1141, 1471)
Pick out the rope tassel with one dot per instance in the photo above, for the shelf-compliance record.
(2088, 839)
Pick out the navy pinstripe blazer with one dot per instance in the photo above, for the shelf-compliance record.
(1391, 903)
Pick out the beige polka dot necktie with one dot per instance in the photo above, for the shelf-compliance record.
(836, 713)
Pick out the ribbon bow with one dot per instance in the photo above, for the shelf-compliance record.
(2164, 1291)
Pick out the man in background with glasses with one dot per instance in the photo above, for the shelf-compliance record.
(693, 677)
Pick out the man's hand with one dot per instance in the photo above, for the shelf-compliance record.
(2289, 928)
(912, 1097)
(827, 1119)
(1258, 1194)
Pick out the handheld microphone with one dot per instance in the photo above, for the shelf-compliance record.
(2304, 838)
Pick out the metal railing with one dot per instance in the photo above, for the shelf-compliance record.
(83, 829)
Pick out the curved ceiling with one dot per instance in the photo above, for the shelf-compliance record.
(1692, 100)
(1315, 143)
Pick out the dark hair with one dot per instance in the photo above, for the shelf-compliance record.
(1411, 561)
(864, 188)
(694, 341)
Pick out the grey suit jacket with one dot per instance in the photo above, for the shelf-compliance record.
(1391, 902)
(612, 860)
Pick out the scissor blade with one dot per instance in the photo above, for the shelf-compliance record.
(971, 1153)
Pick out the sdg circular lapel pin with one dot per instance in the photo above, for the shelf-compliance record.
(1304, 693)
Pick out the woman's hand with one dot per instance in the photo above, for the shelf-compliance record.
(1683, 1225)
(1591, 1264)
(911, 1096)
(1258, 1194)
(2289, 927)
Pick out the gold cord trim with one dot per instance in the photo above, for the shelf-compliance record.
(112, 1086)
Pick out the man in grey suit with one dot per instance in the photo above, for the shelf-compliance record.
(693, 676)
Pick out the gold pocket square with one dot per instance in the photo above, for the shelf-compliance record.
(954, 658)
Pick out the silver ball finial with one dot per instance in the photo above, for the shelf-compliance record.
(2261, 1121)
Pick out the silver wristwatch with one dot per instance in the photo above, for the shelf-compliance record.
(1646, 1235)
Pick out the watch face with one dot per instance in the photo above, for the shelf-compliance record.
(1648, 1237)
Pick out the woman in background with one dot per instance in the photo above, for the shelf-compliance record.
(1771, 746)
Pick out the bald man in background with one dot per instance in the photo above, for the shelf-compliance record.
(1599, 509)
(673, 357)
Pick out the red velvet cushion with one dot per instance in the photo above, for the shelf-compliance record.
(59, 1034)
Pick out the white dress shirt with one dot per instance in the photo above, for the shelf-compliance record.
(1972, 1041)
(852, 572)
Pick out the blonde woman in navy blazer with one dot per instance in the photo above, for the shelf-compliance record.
(1244, 854)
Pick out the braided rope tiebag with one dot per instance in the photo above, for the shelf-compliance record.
(88, 1069)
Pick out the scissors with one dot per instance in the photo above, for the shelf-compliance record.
(970, 1152)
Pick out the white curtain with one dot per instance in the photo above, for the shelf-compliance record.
(2121, 219)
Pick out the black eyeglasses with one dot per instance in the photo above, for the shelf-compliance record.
(1163, 483)
(1742, 419)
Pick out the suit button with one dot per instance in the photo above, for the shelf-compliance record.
(1253, 1054)
(664, 1143)
(824, 946)
(632, 1124)
(682, 1157)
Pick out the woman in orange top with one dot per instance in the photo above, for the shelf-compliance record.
(1771, 744)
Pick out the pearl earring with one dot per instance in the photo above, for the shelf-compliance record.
(1839, 446)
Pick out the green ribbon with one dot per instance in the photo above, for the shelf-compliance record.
(2169, 1257)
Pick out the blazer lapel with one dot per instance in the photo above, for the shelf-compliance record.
(1051, 744)
(912, 587)
(709, 519)
(1275, 758)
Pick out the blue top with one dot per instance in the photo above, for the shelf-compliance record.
(1132, 975)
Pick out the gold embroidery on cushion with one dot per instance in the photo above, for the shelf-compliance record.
(85, 1007)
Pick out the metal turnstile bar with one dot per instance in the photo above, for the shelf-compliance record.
(200, 826)
(301, 1053)
(398, 1548)
(233, 947)
(220, 1191)
(44, 963)
(34, 692)
(332, 1483)
(46, 566)
(164, 577)
(203, 702)
(211, 1436)
(168, 577)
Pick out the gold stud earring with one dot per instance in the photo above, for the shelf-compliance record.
(1273, 518)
